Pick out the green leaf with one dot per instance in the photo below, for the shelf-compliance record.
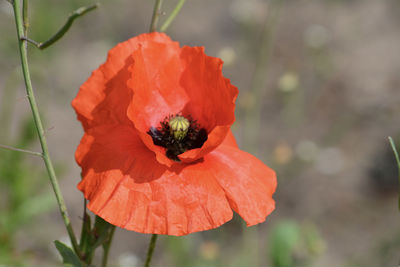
(283, 242)
(101, 231)
(293, 244)
(68, 255)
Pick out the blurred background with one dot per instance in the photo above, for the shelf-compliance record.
(319, 95)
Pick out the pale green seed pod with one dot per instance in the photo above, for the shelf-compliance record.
(179, 126)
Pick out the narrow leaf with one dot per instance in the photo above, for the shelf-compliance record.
(60, 33)
(68, 255)
(101, 231)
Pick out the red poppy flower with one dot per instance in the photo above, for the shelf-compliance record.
(158, 155)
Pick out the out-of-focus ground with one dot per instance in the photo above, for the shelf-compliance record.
(319, 94)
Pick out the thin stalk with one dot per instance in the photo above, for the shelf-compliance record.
(85, 231)
(173, 15)
(21, 150)
(63, 30)
(25, 16)
(395, 152)
(106, 247)
(397, 161)
(39, 126)
(156, 15)
(150, 251)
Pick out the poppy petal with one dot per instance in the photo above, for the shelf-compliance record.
(248, 183)
(129, 181)
(157, 93)
(168, 80)
(212, 96)
(104, 97)
(127, 187)
(230, 140)
(155, 83)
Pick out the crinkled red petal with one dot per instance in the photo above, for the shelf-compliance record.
(154, 81)
(248, 183)
(230, 140)
(167, 80)
(212, 98)
(104, 97)
(127, 187)
(143, 80)
(155, 77)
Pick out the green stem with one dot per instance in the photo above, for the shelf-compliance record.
(150, 251)
(60, 33)
(106, 247)
(395, 152)
(39, 126)
(85, 232)
(156, 15)
(397, 161)
(63, 30)
(21, 150)
(173, 15)
(25, 16)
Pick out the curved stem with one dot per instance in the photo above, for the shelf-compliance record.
(150, 251)
(39, 126)
(173, 15)
(106, 247)
(156, 15)
(60, 33)
(63, 30)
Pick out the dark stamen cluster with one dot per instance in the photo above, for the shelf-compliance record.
(162, 136)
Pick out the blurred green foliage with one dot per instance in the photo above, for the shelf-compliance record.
(22, 197)
(21, 185)
(289, 244)
(292, 244)
(187, 251)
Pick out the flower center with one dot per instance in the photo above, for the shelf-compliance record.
(178, 127)
(178, 134)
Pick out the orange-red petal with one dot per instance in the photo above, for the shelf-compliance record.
(212, 96)
(248, 183)
(156, 91)
(104, 97)
(128, 180)
(230, 140)
(127, 187)
(155, 77)
(167, 80)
